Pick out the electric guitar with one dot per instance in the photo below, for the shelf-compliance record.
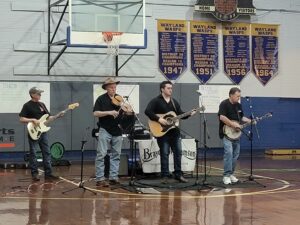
(35, 131)
(159, 130)
(234, 134)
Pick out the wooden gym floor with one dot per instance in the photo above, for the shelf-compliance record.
(24, 202)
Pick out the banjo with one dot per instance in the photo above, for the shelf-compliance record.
(234, 134)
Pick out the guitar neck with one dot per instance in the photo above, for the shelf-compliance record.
(256, 120)
(57, 115)
(248, 124)
(186, 114)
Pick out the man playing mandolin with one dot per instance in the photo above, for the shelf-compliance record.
(31, 112)
(163, 104)
(231, 115)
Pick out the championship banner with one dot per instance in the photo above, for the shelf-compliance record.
(265, 51)
(150, 155)
(172, 38)
(236, 48)
(204, 50)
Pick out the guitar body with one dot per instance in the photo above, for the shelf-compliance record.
(234, 134)
(35, 131)
(231, 133)
(158, 129)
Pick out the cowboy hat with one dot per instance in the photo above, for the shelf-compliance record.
(109, 81)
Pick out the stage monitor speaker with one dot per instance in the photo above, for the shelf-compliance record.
(123, 168)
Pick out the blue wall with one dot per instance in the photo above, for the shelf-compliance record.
(282, 130)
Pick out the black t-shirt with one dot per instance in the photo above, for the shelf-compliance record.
(33, 109)
(109, 123)
(231, 111)
(158, 105)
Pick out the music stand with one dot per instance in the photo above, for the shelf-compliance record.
(81, 183)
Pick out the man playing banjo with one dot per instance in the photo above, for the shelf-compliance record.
(231, 115)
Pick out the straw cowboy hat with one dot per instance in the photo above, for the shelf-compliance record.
(109, 81)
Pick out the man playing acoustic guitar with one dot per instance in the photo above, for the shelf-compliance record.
(162, 104)
(231, 114)
(32, 111)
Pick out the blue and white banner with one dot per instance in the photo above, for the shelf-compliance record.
(236, 48)
(264, 51)
(204, 50)
(172, 47)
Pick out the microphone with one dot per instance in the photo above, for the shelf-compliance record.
(198, 91)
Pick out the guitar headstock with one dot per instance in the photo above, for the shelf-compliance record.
(73, 106)
(269, 114)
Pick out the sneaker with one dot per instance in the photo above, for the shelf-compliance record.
(164, 180)
(102, 183)
(114, 182)
(226, 180)
(233, 179)
(35, 178)
(181, 179)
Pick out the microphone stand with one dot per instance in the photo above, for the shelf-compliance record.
(250, 138)
(81, 183)
(131, 136)
(204, 184)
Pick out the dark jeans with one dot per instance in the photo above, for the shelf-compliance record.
(33, 148)
(170, 140)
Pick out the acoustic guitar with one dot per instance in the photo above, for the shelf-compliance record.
(159, 130)
(35, 131)
(234, 134)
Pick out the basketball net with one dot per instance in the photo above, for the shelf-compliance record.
(113, 40)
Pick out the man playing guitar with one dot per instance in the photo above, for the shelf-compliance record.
(231, 114)
(32, 111)
(162, 104)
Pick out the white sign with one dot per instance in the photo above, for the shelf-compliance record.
(15, 94)
(212, 95)
(150, 155)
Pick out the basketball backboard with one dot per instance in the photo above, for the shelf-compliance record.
(88, 19)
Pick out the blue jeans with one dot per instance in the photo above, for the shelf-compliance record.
(231, 154)
(42, 142)
(105, 141)
(170, 140)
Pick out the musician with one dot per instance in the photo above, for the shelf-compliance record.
(32, 111)
(231, 114)
(110, 132)
(162, 104)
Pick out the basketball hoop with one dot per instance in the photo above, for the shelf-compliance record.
(113, 40)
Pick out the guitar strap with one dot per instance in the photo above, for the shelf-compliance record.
(44, 107)
(238, 113)
(174, 106)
